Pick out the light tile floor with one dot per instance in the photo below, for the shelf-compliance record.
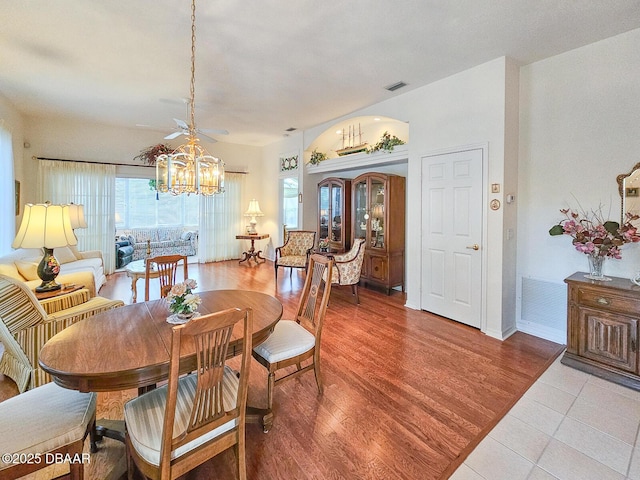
(569, 425)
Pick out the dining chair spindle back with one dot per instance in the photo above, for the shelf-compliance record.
(173, 429)
(295, 341)
(167, 267)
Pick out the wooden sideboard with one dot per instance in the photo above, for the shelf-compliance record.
(603, 322)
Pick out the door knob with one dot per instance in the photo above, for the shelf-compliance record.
(475, 246)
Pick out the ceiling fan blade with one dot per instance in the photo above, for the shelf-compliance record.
(200, 134)
(217, 131)
(181, 124)
(173, 135)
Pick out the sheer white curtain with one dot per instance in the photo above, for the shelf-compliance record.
(7, 192)
(92, 185)
(221, 218)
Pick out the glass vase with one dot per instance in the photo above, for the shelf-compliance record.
(596, 262)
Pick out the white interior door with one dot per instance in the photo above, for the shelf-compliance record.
(452, 236)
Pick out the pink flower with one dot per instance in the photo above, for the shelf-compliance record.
(588, 247)
(592, 235)
(178, 289)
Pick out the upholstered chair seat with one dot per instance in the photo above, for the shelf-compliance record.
(288, 339)
(45, 419)
(144, 414)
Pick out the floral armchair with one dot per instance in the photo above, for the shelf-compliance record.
(347, 267)
(25, 326)
(295, 251)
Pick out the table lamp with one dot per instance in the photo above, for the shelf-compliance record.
(46, 226)
(76, 214)
(253, 211)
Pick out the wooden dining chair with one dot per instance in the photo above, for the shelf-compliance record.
(167, 267)
(295, 341)
(173, 429)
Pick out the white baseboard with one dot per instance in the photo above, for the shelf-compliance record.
(537, 330)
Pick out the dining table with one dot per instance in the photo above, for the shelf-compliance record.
(129, 347)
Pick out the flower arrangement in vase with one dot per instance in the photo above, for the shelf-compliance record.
(596, 237)
(182, 301)
(323, 244)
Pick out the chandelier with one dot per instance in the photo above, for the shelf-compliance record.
(189, 168)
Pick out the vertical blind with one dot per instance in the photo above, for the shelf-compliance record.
(220, 221)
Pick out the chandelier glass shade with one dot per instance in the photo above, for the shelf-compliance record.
(190, 168)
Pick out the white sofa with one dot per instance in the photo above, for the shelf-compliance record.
(84, 268)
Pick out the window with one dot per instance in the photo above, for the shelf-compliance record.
(289, 192)
(138, 205)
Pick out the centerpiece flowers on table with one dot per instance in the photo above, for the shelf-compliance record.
(181, 299)
(598, 238)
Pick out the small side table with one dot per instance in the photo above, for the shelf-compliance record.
(67, 297)
(135, 271)
(252, 251)
(329, 253)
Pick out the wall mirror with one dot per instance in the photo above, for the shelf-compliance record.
(629, 189)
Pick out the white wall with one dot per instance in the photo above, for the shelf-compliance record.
(12, 121)
(579, 129)
(76, 140)
(269, 194)
(464, 109)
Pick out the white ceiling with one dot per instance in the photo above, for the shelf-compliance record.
(263, 66)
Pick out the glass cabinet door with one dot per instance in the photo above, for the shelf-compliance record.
(325, 212)
(360, 205)
(336, 213)
(376, 205)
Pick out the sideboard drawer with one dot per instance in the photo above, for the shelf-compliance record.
(607, 301)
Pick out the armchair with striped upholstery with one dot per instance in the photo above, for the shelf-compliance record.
(25, 327)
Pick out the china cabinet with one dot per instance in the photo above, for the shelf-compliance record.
(378, 210)
(334, 213)
(603, 325)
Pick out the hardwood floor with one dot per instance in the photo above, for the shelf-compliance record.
(407, 395)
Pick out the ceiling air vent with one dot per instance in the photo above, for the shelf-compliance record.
(290, 129)
(395, 86)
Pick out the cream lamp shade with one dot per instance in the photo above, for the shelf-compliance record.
(46, 226)
(76, 214)
(253, 211)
